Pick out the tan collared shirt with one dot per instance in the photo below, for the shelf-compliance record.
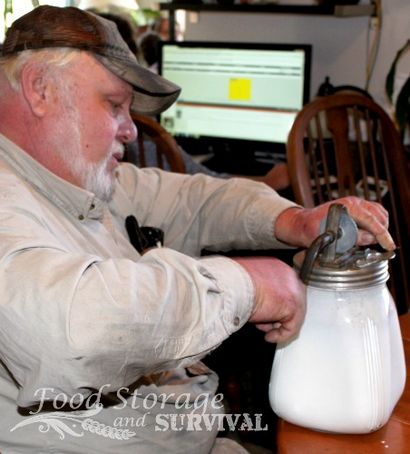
(81, 310)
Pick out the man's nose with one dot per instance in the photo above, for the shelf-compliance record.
(128, 131)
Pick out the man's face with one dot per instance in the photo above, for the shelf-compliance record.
(92, 126)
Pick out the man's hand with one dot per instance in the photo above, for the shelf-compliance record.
(300, 226)
(278, 177)
(280, 297)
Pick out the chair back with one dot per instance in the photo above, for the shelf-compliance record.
(154, 140)
(346, 144)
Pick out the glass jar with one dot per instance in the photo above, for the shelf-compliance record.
(345, 370)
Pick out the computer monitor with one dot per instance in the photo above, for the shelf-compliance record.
(238, 100)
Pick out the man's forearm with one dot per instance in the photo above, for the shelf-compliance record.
(291, 228)
(300, 226)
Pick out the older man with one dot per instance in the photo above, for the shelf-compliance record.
(99, 345)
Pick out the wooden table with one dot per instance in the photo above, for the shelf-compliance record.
(393, 438)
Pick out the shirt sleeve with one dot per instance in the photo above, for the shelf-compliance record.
(201, 212)
(72, 321)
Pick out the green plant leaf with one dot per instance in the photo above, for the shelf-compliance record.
(389, 86)
(8, 7)
(403, 107)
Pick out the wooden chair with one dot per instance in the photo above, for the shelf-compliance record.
(345, 144)
(167, 153)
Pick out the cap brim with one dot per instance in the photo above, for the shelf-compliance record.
(152, 93)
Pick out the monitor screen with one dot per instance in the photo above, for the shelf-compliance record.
(235, 96)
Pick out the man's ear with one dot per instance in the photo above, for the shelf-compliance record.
(35, 87)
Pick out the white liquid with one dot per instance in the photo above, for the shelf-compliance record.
(345, 371)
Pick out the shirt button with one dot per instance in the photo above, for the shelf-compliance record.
(81, 217)
(236, 321)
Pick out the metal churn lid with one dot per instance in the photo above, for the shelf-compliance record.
(333, 261)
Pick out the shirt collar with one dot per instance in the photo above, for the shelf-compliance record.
(73, 199)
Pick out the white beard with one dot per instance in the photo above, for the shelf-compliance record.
(66, 139)
(94, 177)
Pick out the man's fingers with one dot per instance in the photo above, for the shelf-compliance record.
(373, 228)
(280, 332)
(373, 221)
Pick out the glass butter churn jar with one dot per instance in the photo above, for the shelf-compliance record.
(345, 370)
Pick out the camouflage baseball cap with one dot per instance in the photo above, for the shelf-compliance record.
(50, 26)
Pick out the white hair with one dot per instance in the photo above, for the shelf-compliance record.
(65, 136)
(50, 58)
